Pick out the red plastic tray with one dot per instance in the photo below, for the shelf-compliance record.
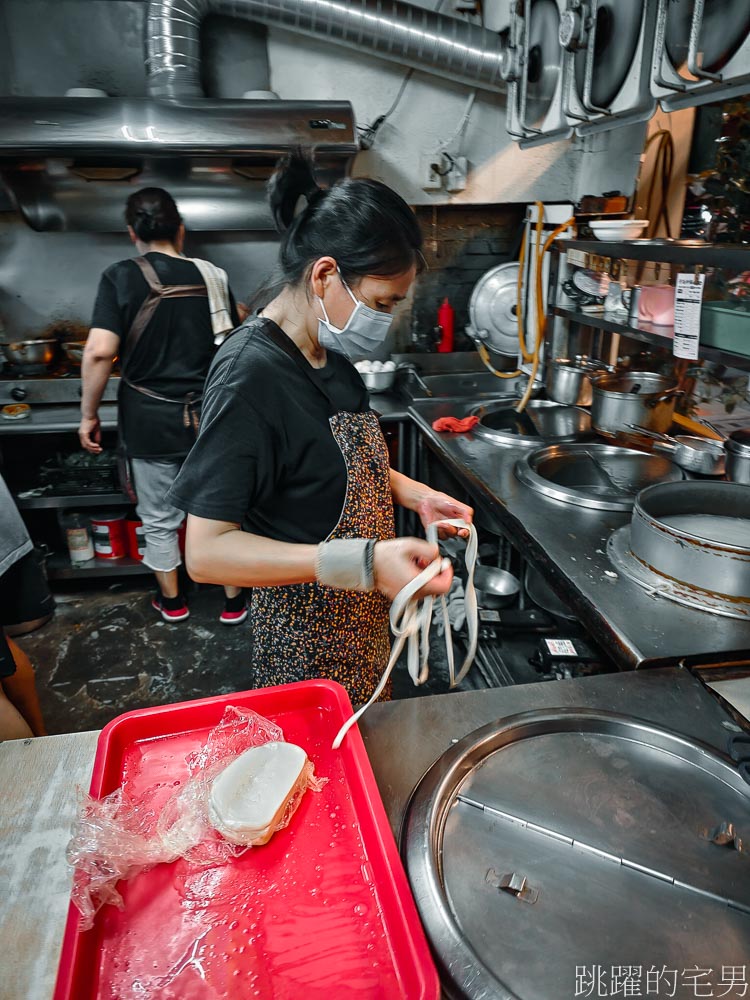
(322, 911)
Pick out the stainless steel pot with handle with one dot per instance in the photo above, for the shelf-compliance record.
(621, 399)
(737, 447)
(30, 352)
(568, 381)
(696, 454)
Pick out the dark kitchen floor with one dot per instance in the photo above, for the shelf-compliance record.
(106, 652)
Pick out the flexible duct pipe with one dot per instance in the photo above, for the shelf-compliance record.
(394, 30)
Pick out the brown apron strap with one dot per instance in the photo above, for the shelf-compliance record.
(147, 269)
(157, 292)
(189, 402)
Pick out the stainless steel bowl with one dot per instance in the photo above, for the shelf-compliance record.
(495, 588)
(378, 381)
(29, 352)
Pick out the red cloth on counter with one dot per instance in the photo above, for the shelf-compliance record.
(455, 424)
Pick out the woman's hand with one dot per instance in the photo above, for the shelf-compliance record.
(437, 506)
(399, 560)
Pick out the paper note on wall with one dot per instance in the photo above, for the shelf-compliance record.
(688, 295)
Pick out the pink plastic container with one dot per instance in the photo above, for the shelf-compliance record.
(323, 911)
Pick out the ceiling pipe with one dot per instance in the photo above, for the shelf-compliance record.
(394, 30)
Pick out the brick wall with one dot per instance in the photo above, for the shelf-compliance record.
(461, 244)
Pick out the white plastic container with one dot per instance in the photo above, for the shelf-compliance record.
(248, 798)
(78, 537)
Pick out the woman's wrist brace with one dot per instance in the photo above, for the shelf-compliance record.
(346, 563)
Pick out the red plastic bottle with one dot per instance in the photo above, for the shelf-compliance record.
(446, 322)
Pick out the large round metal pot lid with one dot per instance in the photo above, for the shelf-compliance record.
(541, 420)
(594, 475)
(555, 842)
(493, 305)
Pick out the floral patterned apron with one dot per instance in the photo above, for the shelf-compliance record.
(308, 630)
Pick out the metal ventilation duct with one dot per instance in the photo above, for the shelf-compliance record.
(391, 29)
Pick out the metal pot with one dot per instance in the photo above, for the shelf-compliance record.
(696, 454)
(695, 534)
(30, 352)
(569, 382)
(621, 399)
(737, 447)
(495, 588)
(74, 351)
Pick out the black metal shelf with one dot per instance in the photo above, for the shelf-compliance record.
(59, 567)
(72, 500)
(687, 252)
(649, 334)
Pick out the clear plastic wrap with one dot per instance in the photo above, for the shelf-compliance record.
(118, 836)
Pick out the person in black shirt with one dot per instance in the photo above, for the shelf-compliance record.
(288, 488)
(159, 312)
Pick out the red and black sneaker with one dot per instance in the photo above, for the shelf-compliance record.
(172, 609)
(235, 610)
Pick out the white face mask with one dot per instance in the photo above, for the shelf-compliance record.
(363, 332)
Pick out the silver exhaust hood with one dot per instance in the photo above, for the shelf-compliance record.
(104, 126)
(70, 163)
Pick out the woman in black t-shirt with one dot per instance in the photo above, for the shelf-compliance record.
(153, 310)
(290, 451)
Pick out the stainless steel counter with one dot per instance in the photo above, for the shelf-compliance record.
(403, 738)
(568, 545)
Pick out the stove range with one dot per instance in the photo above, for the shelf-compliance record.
(58, 386)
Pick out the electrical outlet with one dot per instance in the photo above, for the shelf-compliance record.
(431, 179)
(455, 179)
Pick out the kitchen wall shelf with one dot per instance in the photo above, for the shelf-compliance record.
(73, 501)
(570, 333)
(59, 567)
(613, 323)
(688, 252)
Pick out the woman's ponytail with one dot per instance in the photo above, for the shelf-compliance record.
(293, 179)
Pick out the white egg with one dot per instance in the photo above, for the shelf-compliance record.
(389, 366)
(377, 366)
(362, 366)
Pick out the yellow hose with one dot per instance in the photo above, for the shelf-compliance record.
(541, 316)
(484, 354)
